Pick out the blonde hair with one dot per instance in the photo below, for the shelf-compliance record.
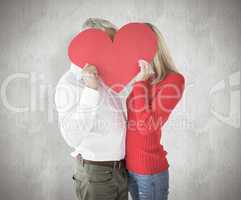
(102, 24)
(162, 62)
(98, 23)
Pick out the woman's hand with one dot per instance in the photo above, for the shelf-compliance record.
(146, 71)
(90, 76)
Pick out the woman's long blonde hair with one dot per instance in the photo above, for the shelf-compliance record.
(162, 62)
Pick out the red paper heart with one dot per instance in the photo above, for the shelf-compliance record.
(116, 61)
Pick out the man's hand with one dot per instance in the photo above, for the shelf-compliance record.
(90, 76)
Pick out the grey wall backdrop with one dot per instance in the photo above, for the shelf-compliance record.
(202, 136)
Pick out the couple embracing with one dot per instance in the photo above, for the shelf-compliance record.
(116, 136)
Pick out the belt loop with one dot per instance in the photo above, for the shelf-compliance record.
(82, 162)
(119, 164)
(115, 165)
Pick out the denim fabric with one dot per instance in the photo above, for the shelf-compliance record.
(149, 187)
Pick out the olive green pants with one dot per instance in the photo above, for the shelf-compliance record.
(92, 182)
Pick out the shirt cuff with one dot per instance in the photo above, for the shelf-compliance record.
(89, 97)
(75, 153)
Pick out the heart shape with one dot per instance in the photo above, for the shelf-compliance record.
(117, 60)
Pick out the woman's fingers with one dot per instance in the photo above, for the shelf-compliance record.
(143, 65)
(148, 67)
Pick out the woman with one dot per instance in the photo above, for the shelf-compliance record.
(155, 92)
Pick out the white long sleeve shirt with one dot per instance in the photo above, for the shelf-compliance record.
(93, 122)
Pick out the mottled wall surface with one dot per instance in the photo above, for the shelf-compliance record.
(202, 136)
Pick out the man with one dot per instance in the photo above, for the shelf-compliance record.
(92, 121)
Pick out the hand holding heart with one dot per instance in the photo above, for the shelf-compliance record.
(90, 76)
(146, 71)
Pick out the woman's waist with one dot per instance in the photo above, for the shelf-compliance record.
(137, 147)
(145, 150)
(135, 138)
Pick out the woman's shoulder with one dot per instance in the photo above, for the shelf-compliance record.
(175, 75)
(172, 77)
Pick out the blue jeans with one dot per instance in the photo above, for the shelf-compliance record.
(149, 187)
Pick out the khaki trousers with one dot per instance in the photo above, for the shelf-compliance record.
(92, 182)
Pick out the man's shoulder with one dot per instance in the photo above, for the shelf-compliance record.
(69, 79)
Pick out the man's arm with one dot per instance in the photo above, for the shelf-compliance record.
(76, 107)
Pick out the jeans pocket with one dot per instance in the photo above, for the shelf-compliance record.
(78, 185)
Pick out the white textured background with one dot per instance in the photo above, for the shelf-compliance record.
(202, 136)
